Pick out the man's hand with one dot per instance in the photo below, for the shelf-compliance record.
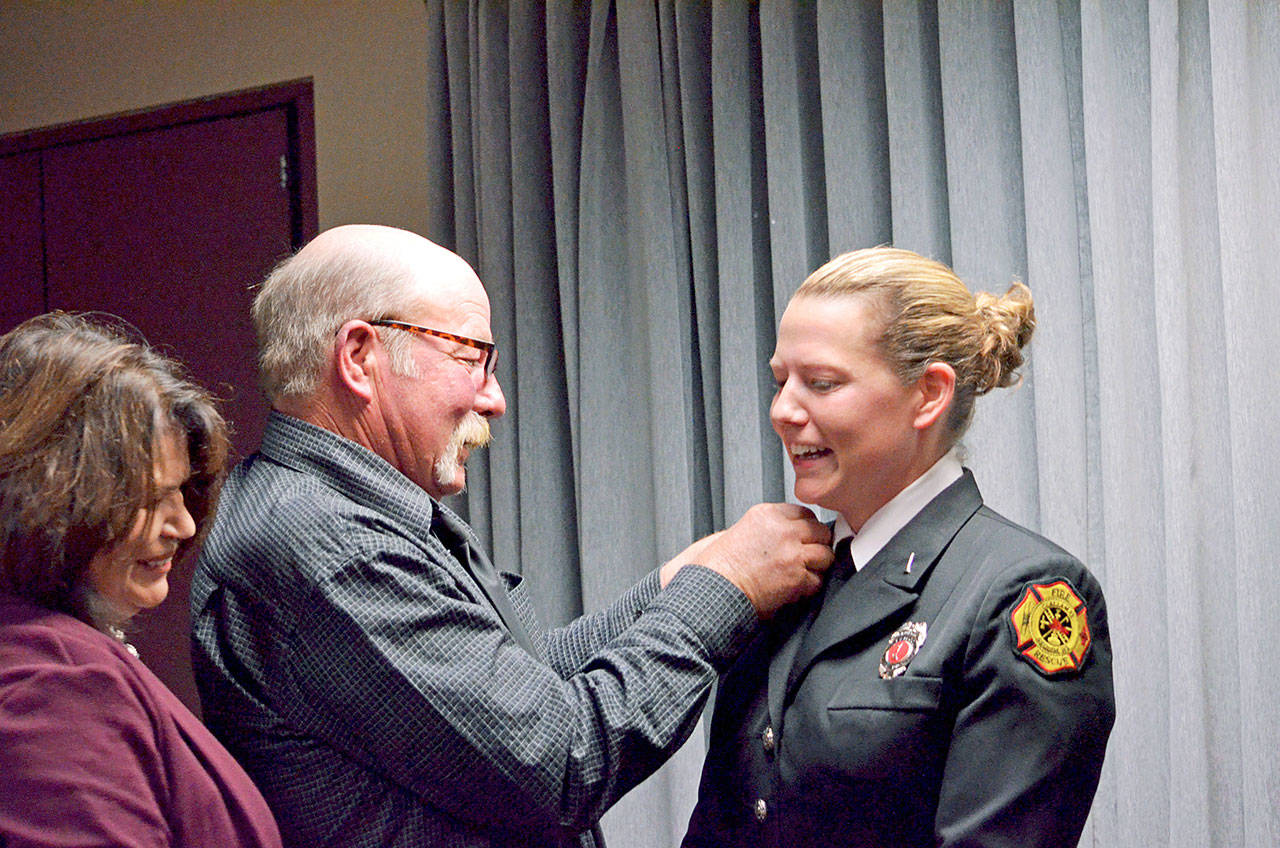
(775, 553)
(691, 554)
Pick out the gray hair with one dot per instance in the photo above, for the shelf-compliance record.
(304, 300)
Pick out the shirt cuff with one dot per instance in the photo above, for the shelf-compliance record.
(718, 612)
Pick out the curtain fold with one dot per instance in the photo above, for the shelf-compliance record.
(642, 184)
(919, 212)
(1117, 59)
(1246, 127)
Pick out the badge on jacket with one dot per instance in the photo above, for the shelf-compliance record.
(904, 644)
(1051, 628)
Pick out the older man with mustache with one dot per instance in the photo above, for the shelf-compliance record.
(354, 647)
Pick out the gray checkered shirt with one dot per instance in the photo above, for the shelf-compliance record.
(359, 674)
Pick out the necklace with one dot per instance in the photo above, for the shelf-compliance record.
(118, 635)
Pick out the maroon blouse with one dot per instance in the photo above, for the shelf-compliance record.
(95, 750)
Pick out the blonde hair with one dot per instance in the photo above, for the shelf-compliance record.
(930, 316)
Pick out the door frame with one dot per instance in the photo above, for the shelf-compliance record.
(294, 96)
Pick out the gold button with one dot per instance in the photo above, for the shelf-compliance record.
(768, 740)
(762, 810)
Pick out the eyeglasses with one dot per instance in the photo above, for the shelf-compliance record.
(490, 361)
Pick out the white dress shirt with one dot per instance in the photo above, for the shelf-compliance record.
(886, 521)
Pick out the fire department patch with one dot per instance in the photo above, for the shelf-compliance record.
(1051, 628)
(903, 646)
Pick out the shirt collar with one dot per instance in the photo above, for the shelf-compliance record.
(347, 467)
(885, 522)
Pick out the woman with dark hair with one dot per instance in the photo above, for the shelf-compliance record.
(110, 464)
(951, 684)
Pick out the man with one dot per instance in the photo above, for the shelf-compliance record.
(356, 650)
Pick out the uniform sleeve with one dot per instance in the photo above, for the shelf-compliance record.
(397, 668)
(77, 755)
(1035, 711)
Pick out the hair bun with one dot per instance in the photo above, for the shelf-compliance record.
(1007, 325)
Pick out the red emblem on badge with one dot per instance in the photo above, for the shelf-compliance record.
(1051, 628)
(904, 644)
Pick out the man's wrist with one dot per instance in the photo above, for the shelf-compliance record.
(718, 612)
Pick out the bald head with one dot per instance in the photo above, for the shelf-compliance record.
(378, 244)
(359, 271)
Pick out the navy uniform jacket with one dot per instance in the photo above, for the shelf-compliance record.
(988, 731)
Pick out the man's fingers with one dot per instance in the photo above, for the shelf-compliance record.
(818, 557)
(795, 510)
(810, 585)
(813, 530)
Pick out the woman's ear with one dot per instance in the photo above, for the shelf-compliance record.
(937, 386)
(354, 358)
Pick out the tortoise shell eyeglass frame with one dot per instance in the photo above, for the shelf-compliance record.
(489, 348)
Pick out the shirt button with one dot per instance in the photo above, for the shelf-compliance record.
(762, 810)
(768, 740)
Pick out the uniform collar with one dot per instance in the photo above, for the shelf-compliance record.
(885, 522)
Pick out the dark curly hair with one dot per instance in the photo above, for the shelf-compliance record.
(82, 404)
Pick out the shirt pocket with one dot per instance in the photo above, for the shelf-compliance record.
(906, 693)
(890, 731)
(518, 592)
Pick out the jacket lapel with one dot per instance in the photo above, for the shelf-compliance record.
(880, 591)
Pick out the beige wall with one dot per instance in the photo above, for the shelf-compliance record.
(67, 60)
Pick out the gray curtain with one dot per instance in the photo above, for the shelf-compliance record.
(641, 185)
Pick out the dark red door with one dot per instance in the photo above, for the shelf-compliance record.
(21, 252)
(169, 229)
(166, 219)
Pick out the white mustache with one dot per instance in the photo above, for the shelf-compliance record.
(473, 432)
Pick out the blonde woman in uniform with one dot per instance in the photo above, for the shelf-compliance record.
(951, 685)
